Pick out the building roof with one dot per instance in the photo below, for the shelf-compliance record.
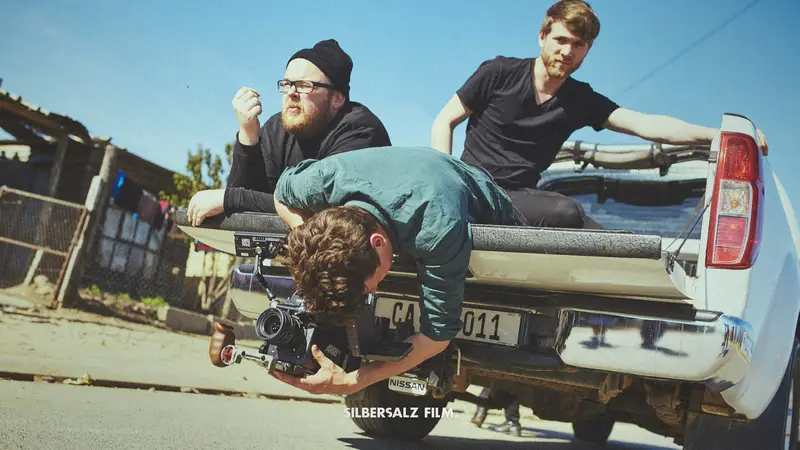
(16, 113)
(31, 124)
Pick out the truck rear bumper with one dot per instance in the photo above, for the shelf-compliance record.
(716, 352)
(712, 349)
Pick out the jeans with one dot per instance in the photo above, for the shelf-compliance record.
(550, 209)
(509, 400)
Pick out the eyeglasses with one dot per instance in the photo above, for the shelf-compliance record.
(301, 86)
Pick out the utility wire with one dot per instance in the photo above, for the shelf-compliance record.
(690, 47)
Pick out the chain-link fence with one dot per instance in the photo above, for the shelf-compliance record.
(151, 260)
(137, 257)
(132, 256)
(37, 235)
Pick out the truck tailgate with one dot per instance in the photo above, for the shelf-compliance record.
(563, 260)
(592, 261)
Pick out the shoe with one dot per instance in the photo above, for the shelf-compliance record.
(479, 417)
(510, 427)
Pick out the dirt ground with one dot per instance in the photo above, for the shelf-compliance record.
(122, 342)
(103, 308)
(112, 342)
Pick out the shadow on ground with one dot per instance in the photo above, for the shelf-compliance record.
(21, 302)
(55, 319)
(118, 311)
(365, 442)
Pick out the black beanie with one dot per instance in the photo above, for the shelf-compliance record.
(332, 60)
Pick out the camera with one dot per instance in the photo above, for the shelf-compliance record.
(289, 331)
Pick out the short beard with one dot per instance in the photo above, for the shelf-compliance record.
(556, 72)
(305, 126)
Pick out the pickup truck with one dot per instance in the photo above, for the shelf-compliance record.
(680, 316)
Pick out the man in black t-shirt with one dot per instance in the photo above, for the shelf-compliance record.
(522, 110)
(317, 120)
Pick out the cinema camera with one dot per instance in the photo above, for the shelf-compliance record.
(289, 330)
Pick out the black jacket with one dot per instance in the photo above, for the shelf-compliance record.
(255, 169)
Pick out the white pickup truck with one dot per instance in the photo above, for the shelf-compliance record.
(680, 317)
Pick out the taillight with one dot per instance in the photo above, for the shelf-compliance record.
(737, 203)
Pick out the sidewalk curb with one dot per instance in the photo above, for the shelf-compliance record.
(121, 384)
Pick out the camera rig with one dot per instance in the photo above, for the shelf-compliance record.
(289, 330)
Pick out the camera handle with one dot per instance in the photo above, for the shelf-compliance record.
(263, 254)
(223, 338)
(232, 354)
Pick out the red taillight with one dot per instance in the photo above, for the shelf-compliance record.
(227, 355)
(738, 198)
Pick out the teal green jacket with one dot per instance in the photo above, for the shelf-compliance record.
(425, 200)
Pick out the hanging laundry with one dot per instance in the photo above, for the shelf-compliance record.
(200, 247)
(150, 210)
(131, 196)
(126, 193)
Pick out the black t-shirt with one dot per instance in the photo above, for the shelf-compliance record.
(511, 136)
(255, 169)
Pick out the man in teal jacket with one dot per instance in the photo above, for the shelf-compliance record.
(350, 213)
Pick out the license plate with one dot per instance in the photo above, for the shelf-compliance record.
(478, 324)
(408, 385)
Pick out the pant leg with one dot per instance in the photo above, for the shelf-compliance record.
(485, 393)
(498, 398)
(512, 411)
(551, 209)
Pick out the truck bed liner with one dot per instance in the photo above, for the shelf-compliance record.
(490, 238)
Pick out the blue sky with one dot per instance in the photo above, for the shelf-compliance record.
(159, 76)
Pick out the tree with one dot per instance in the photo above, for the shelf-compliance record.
(204, 171)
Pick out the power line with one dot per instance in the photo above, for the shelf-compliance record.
(690, 47)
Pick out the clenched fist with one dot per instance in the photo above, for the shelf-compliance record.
(247, 106)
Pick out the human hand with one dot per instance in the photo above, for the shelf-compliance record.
(247, 107)
(205, 204)
(329, 379)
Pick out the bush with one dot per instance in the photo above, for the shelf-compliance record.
(154, 301)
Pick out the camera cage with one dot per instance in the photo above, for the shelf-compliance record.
(368, 336)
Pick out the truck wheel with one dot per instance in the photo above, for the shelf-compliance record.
(378, 395)
(777, 427)
(595, 430)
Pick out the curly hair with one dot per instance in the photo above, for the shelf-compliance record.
(578, 17)
(330, 258)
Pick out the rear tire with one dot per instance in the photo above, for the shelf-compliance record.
(406, 429)
(776, 428)
(595, 430)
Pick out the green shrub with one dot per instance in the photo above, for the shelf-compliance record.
(154, 301)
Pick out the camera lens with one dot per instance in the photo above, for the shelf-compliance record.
(276, 326)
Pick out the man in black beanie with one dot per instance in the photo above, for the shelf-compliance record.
(317, 119)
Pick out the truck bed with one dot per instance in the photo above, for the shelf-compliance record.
(560, 260)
